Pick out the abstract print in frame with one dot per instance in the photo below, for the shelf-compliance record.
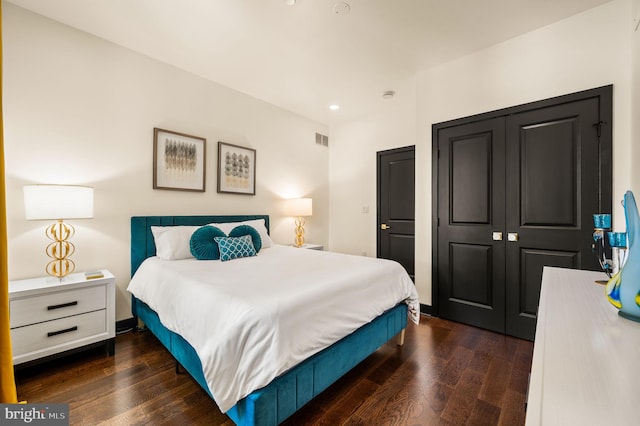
(178, 161)
(236, 169)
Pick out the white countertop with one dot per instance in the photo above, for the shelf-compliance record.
(586, 358)
(26, 287)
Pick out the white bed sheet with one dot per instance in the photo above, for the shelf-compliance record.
(252, 319)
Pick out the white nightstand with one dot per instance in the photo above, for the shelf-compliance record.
(49, 316)
(313, 247)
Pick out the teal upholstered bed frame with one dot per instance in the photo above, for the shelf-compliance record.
(287, 393)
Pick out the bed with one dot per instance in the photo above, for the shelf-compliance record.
(287, 392)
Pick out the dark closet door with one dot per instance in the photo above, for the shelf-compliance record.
(396, 206)
(471, 215)
(515, 190)
(552, 191)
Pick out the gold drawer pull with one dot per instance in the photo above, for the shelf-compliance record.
(62, 305)
(66, 330)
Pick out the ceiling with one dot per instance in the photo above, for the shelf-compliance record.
(305, 57)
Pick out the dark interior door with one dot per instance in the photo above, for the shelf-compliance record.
(396, 206)
(471, 214)
(515, 191)
(552, 192)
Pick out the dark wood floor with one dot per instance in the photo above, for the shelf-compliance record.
(446, 374)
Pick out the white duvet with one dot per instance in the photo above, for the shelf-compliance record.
(254, 318)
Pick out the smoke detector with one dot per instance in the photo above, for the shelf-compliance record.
(341, 8)
(388, 94)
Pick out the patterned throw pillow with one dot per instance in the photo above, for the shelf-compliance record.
(235, 247)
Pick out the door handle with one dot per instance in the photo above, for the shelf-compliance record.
(513, 236)
(384, 226)
(496, 236)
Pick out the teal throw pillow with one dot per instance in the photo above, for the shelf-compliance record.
(241, 230)
(203, 245)
(235, 247)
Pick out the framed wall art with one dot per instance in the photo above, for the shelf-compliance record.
(178, 161)
(236, 169)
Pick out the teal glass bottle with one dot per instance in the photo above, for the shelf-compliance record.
(623, 289)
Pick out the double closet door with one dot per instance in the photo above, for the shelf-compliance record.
(514, 191)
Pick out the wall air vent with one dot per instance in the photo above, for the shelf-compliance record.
(322, 139)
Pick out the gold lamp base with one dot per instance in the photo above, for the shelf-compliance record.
(60, 249)
(299, 231)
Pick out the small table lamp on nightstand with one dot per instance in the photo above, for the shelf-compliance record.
(58, 202)
(299, 207)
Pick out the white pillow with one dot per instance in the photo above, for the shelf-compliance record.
(258, 224)
(173, 242)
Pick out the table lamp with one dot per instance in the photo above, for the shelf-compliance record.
(299, 207)
(58, 202)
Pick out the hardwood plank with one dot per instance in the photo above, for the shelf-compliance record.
(495, 381)
(400, 400)
(484, 414)
(512, 412)
(480, 361)
(445, 374)
(462, 401)
(457, 365)
(438, 395)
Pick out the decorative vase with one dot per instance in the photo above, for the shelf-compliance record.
(601, 223)
(618, 244)
(623, 289)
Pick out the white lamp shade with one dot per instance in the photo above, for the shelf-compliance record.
(58, 202)
(299, 207)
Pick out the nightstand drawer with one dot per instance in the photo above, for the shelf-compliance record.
(51, 306)
(58, 332)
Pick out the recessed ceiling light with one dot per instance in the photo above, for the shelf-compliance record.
(289, 2)
(334, 107)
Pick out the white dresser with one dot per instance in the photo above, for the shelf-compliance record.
(50, 316)
(586, 358)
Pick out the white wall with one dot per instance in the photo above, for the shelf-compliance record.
(352, 166)
(635, 106)
(588, 50)
(80, 110)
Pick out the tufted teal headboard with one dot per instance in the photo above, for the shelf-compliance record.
(142, 244)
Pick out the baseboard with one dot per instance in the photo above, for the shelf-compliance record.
(125, 325)
(426, 309)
